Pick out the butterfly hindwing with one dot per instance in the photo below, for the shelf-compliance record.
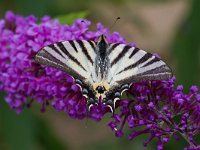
(114, 94)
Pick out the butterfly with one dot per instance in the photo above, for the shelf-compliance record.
(103, 70)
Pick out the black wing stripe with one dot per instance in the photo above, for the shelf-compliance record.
(157, 70)
(73, 45)
(93, 46)
(121, 54)
(152, 61)
(160, 73)
(127, 68)
(113, 48)
(134, 52)
(84, 50)
(56, 50)
(140, 61)
(44, 56)
(144, 58)
(62, 47)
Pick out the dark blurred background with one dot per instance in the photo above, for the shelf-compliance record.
(170, 28)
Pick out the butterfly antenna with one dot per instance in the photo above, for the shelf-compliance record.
(114, 23)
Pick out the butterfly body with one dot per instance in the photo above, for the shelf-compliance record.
(103, 70)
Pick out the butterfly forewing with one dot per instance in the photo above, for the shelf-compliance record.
(131, 64)
(69, 56)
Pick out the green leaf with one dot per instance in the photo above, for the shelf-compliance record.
(69, 18)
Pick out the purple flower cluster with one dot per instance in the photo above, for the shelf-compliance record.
(156, 108)
(159, 109)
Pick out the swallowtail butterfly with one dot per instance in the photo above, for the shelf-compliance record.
(102, 69)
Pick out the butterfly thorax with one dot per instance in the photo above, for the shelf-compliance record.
(102, 62)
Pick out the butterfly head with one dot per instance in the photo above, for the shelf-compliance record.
(102, 42)
(102, 38)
